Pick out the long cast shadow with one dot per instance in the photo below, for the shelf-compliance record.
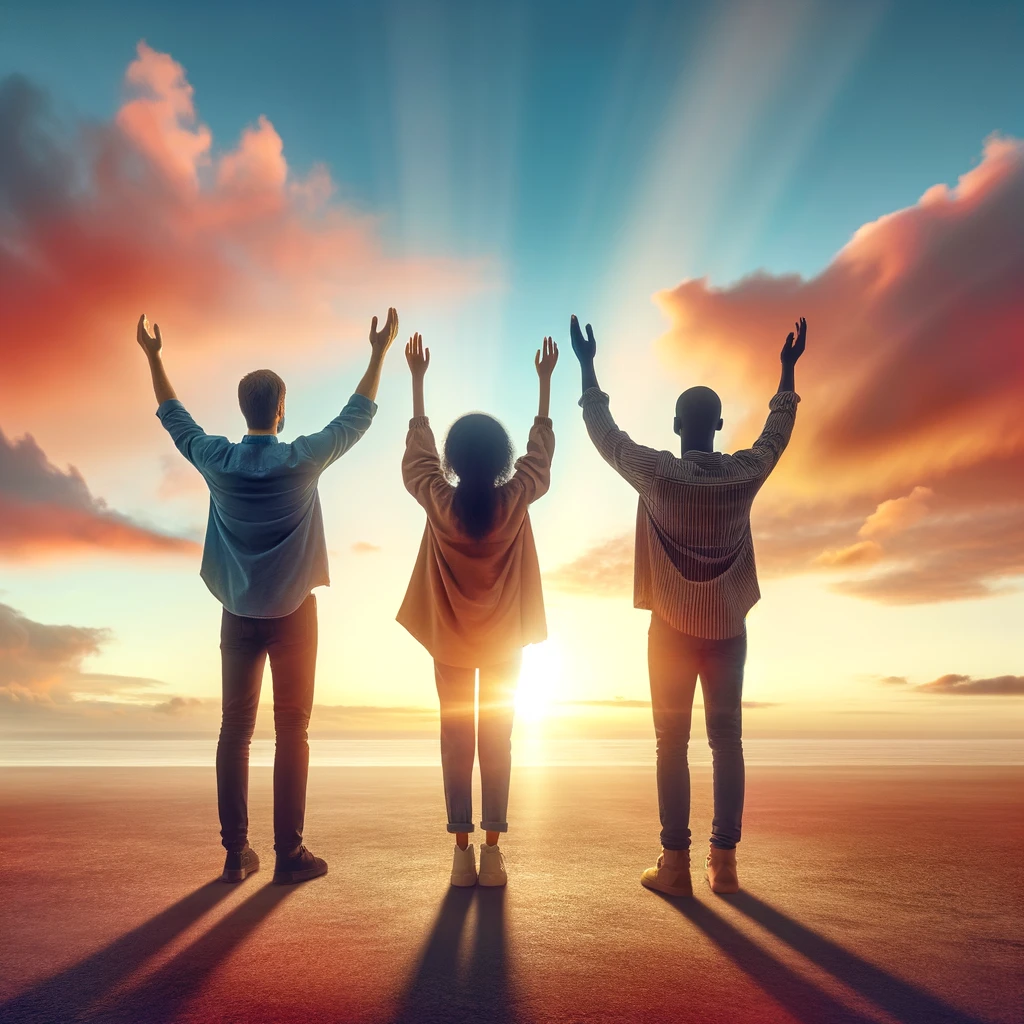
(65, 997)
(161, 996)
(802, 998)
(439, 990)
(907, 1003)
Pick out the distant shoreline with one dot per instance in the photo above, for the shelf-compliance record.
(528, 751)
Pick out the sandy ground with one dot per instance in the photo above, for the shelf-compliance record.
(868, 895)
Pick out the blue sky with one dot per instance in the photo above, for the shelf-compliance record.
(593, 153)
(544, 116)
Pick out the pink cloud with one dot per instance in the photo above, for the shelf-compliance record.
(47, 512)
(907, 462)
(228, 250)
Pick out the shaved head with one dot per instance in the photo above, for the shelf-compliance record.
(698, 412)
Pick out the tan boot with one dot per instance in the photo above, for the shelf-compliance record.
(672, 875)
(721, 865)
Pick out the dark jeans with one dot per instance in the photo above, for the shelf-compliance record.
(245, 643)
(456, 690)
(676, 660)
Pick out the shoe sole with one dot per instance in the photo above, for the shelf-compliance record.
(668, 890)
(729, 890)
(291, 877)
(464, 884)
(239, 874)
(492, 885)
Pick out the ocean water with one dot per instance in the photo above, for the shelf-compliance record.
(424, 752)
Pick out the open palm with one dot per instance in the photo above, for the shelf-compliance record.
(585, 348)
(151, 343)
(380, 341)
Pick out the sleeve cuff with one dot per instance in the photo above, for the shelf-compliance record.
(362, 402)
(418, 421)
(784, 400)
(165, 407)
(591, 396)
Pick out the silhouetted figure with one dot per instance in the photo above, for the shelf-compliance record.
(265, 552)
(694, 569)
(475, 600)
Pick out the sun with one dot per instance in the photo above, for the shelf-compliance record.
(540, 681)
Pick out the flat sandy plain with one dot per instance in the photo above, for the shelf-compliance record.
(874, 894)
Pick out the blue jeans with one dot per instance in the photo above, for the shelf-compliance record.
(676, 660)
(456, 692)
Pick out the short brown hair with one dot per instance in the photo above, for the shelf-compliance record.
(259, 396)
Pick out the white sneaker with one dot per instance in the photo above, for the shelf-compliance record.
(464, 867)
(492, 865)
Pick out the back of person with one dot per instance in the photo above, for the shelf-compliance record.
(700, 514)
(475, 599)
(265, 552)
(694, 569)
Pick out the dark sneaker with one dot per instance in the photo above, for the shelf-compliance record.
(301, 866)
(239, 864)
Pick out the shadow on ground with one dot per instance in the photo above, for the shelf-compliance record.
(452, 982)
(68, 995)
(88, 991)
(908, 1003)
(802, 998)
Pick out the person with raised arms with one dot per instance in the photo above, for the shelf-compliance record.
(265, 552)
(474, 599)
(694, 570)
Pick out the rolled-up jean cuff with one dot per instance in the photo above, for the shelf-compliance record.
(460, 826)
(494, 826)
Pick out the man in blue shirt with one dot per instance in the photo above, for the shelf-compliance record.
(265, 552)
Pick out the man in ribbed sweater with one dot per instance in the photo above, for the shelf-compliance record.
(694, 569)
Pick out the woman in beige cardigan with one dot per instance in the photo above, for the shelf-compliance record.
(474, 600)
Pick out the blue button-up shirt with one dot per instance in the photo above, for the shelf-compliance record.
(265, 547)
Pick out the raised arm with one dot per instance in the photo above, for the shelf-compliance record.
(189, 438)
(545, 361)
(421, 465)
(152, 344)
(380, 342)
(764, 454)
(791, 352)
(318, 451)
(586, 352)
(533, 470)
(633, 462)
(418, 359)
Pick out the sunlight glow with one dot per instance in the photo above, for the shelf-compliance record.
(540, 683)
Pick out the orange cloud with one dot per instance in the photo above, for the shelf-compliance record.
(36, 658)
(998, 686)
(45, 511)
(604, 570)
(227, 250)
(907, 463)
(891, 517)
(364, 547)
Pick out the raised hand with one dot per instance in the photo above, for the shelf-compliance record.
(380, 341)
(546, 359)
(150, 343)
(795, 343)
(585, 348)
(417, 357)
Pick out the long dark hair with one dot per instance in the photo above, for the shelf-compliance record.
(478, 452)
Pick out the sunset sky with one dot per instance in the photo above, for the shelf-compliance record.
(689, 178)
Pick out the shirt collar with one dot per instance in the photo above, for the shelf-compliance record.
(259, 439)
